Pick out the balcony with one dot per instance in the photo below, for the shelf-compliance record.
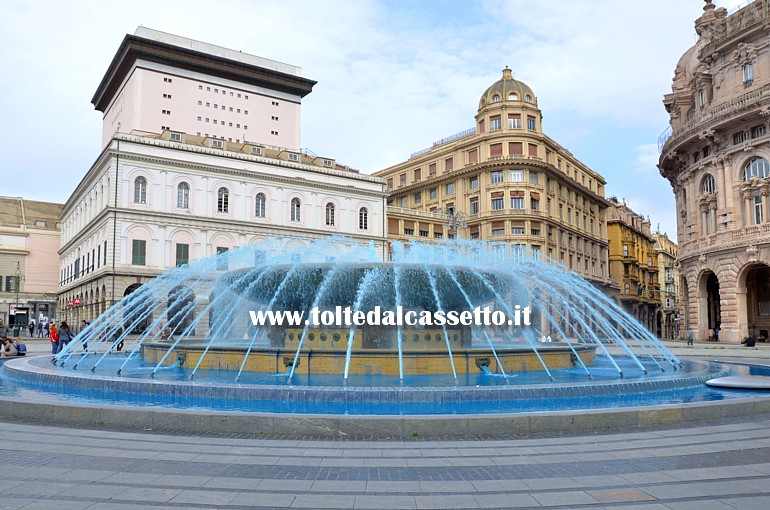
(713, 115)
(402, 211)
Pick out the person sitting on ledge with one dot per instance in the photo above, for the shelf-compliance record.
(749, 341)
(8, 349)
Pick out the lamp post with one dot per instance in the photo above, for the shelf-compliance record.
(17, 327)
(456, 221)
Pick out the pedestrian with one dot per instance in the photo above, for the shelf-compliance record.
(31, 328)
(47, 328)
(690, 338)
(4, 332)
(65, 336)
(40, 329)
(716, 334)
(117, 336)
(83, 325)
(53, 334)
(710, 334)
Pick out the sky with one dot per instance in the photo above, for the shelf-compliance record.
(393, 77)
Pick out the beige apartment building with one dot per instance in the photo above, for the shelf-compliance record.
(716, 156)
(503, 180)
(668, 274)
(29, 240)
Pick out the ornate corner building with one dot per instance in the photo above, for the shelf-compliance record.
(503, 180)
(715, 155)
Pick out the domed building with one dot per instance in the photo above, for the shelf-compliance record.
(715, 155)
(503, 180)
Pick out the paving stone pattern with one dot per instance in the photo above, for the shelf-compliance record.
(717, 465)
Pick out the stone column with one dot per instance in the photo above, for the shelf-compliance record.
(721, 189)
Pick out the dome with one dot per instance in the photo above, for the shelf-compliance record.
(507, 89)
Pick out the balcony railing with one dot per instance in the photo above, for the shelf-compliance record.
(421, 214)
(713, 114)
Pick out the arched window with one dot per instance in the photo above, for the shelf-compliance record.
(363, 218)
(625, 250)
(183, 195)
(260, 205)
(140, 190)
(223, 200)
(757, 167)
(296, 209)
(513, 96)
(627, 288)
(528, 98)
(329, 214)
(708, 184)
(496, 98)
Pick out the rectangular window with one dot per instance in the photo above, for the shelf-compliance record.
(748, 74)
(182, 254)
(402, 180)
(496, 177)
(417, 174)
(498, 231)
(431, 169)
(495, 123)
(530, 123)
(473, 182)
(532, 150)
(473, 156)
(498, 204)
(474, 235)
(138, 252)
(424, 233)
(222, 261)
(474, 205)
(496, 150)
(515, 148)
(740, 137)
(517, 202)
(390, 183)
(105, 253)
(418, 197)
(449, 164)
(404, 202)
(514, 121)
(433, 193)
(517, 175)
(98, 256)
(450, 188)
(517, 231)
(756, 132)
(533, 177)
(408, 231)
(758, 216)
(534, 204)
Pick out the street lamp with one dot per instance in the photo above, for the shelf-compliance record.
(456, 220)
(17, 327)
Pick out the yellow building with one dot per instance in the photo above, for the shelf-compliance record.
(634, 263)
(668, 274)
(503, 180)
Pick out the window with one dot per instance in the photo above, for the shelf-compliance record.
(98, 256)
(517, 175)
(517, 202)
(498, 204)
(433, 193)
(138, 253)
(530, 123)
(296, 209)
(329, 214)
(495, 123)
(424, 233)
(625, 250)
(363, 218)
(222, 262)
(517, 231)
(105, 252)
(757, 167)
(702, 98)
(748, 74)
(758, 131)
(758, 216)
(449, 164)
(418, 197)
(533, 177)
(496, 177)
(498, 231)
(513, 96)
(708, 184)
(408, 231)
(402, 180)
(176, 137)
(256, 150)
(218, 144)
(293, 157)
(496, 98)
(183, 196)
(473, 182)
(403, 202)
(167, 80)
(450, 188)
(474, 205)
(514, 121)
(182, 254)
(534, 204)
(140, 190)
(223, 200)
(260, 205)
(528, 98)
(740, 137)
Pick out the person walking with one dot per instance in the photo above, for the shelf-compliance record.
(53, 333)
(40, 329)
(31, 328)
(47, 328)
(65, 336)
(83, 325)
(4, 331)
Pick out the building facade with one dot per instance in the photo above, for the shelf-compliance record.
(155, 200)
(715, 155)
(634, 265)
(668, 274)
(29, 240)
(503, 180)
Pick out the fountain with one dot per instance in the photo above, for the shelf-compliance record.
(193, 338)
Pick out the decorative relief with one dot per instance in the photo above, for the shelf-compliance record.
(746, 53)
(752, 253)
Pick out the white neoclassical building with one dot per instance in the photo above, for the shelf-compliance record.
(160, 196)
